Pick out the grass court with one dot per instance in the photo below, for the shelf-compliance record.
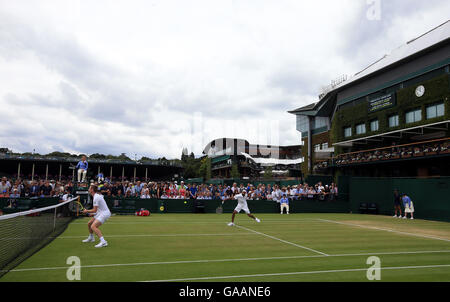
(287, 248)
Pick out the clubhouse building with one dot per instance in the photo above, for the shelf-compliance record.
(391, 119)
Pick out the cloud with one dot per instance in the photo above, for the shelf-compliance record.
(150, 78)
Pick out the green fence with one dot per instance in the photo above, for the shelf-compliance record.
(130, 205)
(431, 196)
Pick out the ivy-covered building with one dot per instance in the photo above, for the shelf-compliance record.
(390, 119)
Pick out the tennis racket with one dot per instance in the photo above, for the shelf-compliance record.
(77, 206)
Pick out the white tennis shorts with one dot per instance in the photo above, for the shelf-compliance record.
(102, 217)
(242, 207)
(409, 209)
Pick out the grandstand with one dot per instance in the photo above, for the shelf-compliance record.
(34, 167)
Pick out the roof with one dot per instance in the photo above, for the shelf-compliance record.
(273, 161)
(422, 42)
(305, 108)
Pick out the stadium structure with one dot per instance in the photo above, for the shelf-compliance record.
(389, 120)
(252, 160)
(33, 167)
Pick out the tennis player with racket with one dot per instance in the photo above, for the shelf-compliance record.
(241, 206)
(101, 214)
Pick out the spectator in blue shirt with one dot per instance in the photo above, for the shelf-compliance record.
(82, 167)
(100, 177)
(35, 189)
(284, 203)
(193, 191)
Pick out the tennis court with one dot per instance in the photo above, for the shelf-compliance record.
(201, 247)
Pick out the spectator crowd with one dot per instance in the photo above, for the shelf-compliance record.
(168, 190)
(394, 152)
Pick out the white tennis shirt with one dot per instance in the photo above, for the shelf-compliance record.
(100, 203)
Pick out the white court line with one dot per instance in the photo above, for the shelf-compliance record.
(309, 220)
(284, 241)
(128, 235)
(224, 260)
(384, 229)
(300, 273)
(160, 235)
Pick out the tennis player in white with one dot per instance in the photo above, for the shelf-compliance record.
(101, 214)
(241, 206)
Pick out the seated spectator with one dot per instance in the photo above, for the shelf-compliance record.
(145, 194)
(293, 193)
(333, 191)
(311, 193)
(46, 189)
(4, 188)
(15, 193)
(34, 189)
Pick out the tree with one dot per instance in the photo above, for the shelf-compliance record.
(123, 156)
(98, 156)
(268, 172)
(205, 168)
(58, 154)
(184, 154)
(235, 171)
(5, 150)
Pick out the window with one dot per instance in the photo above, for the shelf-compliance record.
(435, 110)
(302, 123)
(393, 121)
(317, 147)
(320, 122)
(348, 131)
(374, 125)
(361, 129)
(325, 146)
(413, 116)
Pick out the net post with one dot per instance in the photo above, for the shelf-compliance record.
(54, 219)
(78, 206)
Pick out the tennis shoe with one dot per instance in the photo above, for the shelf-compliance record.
(231, 224)
(257, 220)
(89, 239)
(102, 244)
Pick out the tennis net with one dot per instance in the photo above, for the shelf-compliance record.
(24, 233)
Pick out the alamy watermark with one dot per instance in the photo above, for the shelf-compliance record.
(373, 12)
(374, 271)
(74, 271)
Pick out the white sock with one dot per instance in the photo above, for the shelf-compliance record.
(102, 239)
(91, 236)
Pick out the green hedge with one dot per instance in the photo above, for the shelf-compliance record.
(436, 90)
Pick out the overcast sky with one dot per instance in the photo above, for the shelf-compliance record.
(151, 77)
